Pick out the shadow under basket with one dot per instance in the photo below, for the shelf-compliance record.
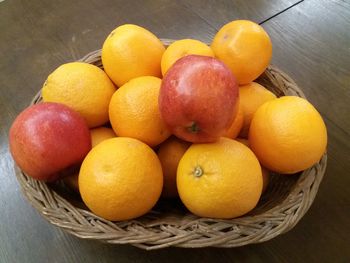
(284, 203)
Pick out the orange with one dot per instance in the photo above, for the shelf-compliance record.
(169, 153)
(219, 180)
(101, 134)
(181, 48)
(82, 87)
(131, 51)
(120, 179)
(98, 135)
(288, 135)
(236, 126)
(245, 48)
(134, 111)
(251, 97)
(264, 171)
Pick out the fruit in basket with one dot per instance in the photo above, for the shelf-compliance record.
(198, 98)
(181, 48)
(101, 134)
(170, 153)
(134, 111)
(83, 87)
(288, 135)
(120, 179)
(251, 97)
(264, 171)
(131, 51)
(47, 138)
(98, 135)
(219, 180)
(236, 126)
(245, 48)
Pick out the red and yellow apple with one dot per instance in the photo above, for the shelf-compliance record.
(198, 98)
(48, 138)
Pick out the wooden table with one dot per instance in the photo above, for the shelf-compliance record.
(311, 42)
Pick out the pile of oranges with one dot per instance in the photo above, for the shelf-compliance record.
(135, 159)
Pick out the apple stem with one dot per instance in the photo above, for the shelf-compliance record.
(198, 172)
(193, 128)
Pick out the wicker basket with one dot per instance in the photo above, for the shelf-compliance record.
(169, 224)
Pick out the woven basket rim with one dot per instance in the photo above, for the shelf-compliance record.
(189, 231)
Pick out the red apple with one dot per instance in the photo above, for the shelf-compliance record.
(47, 138)
(198, 98)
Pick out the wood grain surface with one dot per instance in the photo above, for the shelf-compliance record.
(311, 43)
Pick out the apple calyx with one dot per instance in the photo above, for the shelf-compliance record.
(194, 128)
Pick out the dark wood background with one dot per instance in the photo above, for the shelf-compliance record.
(311, 41)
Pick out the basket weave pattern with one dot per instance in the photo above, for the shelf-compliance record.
(283, 204)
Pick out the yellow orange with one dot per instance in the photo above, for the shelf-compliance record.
(236, 126)
(181, 48)
(82, 87)
(169, 153)
(288, 135)
(134, 111)
(219, 180)
(264, 171)
(98, 135)
(244, 47)
(101, 134)
(120, 179)
(131, 51)
(252, 96)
